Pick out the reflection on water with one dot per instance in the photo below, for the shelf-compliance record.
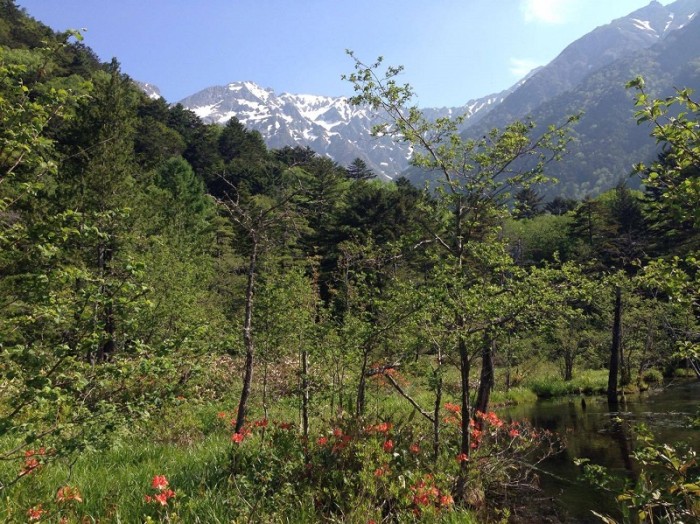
(592, 431)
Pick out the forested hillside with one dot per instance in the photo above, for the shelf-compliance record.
(607, 140)
(196, 328)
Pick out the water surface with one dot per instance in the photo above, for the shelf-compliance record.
(592, 431)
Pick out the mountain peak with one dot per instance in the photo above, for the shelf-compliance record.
(329, 125)
(262, 93)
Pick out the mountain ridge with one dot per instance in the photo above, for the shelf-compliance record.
(331, 127)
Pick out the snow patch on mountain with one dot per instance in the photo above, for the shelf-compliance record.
(329, 125)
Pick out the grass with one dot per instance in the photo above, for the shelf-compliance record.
(587, 382)
(518, 395)
(190, 444)
(113, 483)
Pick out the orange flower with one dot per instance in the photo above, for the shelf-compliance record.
(337, 432)
(163, 496)
(446, 500)
(262, 423)
(68, 493)
(454, 408)
(462, 457)
(384, 427)
(35, 513)
(415, 448)
(159, 482)
(491, 418)
(513, 433)
(30, 464)
(322, 441)
(238, 437)
(388, 445)
(221, 414)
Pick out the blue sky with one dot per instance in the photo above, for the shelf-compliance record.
(452, 50)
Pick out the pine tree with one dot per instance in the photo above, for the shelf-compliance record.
(358, 170)
(527, 203)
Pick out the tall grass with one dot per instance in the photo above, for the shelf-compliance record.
(587, 382)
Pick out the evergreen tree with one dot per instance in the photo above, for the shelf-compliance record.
(358, 170)
(527, 203)
(560, 205)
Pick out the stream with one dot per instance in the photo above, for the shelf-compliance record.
(589, 432)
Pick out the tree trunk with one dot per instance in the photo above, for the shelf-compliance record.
(615, 350)
(464, 448)
(487, 375)
(248, 337)
(361, 386)
(569, 356)
(264, 391)
(107, 345)
(305, 393)
(464, 368)
(438, 401)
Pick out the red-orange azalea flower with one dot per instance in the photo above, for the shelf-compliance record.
(446, 500)
(163, 496)
(68, 493)
(384, 427)
(454, 408)
(35, 513)
(159, 482)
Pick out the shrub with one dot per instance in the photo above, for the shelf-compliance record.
(652, 376)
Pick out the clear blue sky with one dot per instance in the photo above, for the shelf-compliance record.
(453, 50)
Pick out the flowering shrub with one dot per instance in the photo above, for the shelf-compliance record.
(379, 465)
(62, 509)
(347, 469)
(33, 459)
(161, 498)
(426, 496)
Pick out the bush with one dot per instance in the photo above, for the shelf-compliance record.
(652, 376)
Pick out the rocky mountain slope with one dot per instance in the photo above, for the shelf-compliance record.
(589, 75)
(608, 140)
(328, 125)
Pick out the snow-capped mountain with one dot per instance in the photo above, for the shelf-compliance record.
(328, 125)
(332, 127)
(660, 43)
(151, 91)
